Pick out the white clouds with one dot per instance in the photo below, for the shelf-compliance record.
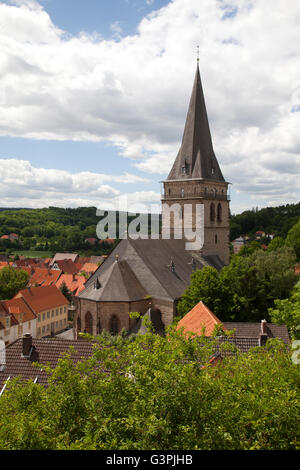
(40, 187)
(134, 92)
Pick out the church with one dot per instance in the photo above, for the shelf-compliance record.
(149, 276)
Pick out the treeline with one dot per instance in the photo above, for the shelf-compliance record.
(53, 229)
(271, 220)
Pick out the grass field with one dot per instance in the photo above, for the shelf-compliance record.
(33, 254)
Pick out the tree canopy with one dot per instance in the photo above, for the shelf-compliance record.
(11, 281)
(158, 393)
(246, 288)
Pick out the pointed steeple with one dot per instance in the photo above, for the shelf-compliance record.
(196, 157)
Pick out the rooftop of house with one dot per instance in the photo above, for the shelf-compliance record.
(67, 266)
(19, 309)
(42, 298)
(74, 282)
(21, 355)
(43, 277)
(201, 318)
(63, 256)
(89, 267)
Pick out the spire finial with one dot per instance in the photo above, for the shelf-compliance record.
(198, 54)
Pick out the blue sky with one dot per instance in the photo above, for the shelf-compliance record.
(94, 94)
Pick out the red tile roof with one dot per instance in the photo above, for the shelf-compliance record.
(75, 283)
(198, 318)
(89, 267)
(18, 307)
(43, 298)
(5, 237)
(44, 277)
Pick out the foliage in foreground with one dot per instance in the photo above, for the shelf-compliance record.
(154, 393)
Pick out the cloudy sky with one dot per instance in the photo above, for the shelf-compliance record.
(94, 95)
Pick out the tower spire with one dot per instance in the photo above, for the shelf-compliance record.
(196, 157)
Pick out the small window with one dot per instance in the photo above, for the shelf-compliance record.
(213, 171)
(216, 239)
(212, 212)
(48, 315)
(182, 193)
(219, 213)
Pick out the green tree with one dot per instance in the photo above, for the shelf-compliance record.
(205, 285)
(293, 239)
(276, 243)
(158, 393)
(11, 281)
(287, 312)
(66, 292)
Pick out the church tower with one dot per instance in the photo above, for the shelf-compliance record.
(196, 178)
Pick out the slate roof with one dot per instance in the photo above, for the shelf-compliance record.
(196, 149)
(252, 330)
(150, 261)
(45, 351)
(118, 283)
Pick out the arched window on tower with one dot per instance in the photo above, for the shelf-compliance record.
(212, 212)
(219, 213)
(114, 325)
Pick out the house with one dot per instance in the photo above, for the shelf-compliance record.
(17, 319)
(139, 272)
(259, 234)
(74, 283)
(297, 269)
(89, 268)
(23, 353)
(202, 321)
(238, 243)
(97, 259)
(63, 256)
(67, 266)
(43, 277)
(50, 307)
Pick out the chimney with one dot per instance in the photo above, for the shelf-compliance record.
(264, 327)
(263, 336)
(26, 345)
